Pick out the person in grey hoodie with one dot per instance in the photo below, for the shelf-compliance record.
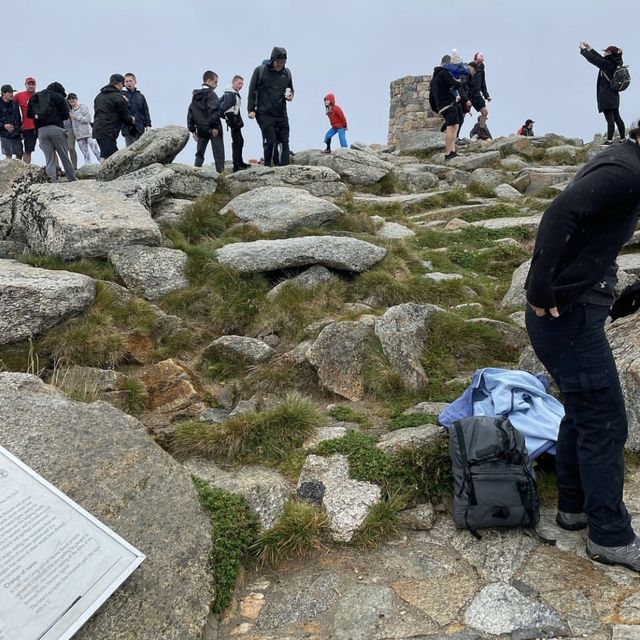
(80, 118)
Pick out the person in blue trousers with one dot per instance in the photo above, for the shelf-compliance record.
(338, 123)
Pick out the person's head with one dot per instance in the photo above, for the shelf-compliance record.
(278, 58)
(30, 84)
(72, 99)
(7, 92)
(237, 83)
(446, 59)
(210, 78)
(478, 57)
(117, 81)
(612, 51)
(634, 131)
(528, 123)
(456, 58)
(129, 81)
(473, 68)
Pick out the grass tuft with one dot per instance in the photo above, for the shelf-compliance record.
(234, 528)
(137, 397)
(266, 437)
(300, 531)
(347, 414)
(405, 421)
(381, 524)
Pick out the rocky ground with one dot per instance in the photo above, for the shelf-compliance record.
(287, 336)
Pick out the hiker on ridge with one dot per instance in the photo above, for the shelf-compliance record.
(479, 94)
(270, 89)
(608, 98)
(29, 135)
(203, 120)
(570, 291)
(10, 124)
(526, 129)
(80, 118)
(338, 122)
(231, 104)
(444, 99)
(111, 112)
(138, 108)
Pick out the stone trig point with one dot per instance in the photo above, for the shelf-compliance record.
(410, 118)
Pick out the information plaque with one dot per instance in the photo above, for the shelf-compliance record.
(58, 564)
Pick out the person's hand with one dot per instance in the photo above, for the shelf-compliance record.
(195, 136)
(488, 98)
(8, 127)
(540, 312)
(133, 119)
(252, 114)
(457, 98)
(468, 104)
(214, 133)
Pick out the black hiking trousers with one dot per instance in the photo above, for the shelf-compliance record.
(217, 147)
(237, 145)
(589, 453)
(275, 130)
(612, 116)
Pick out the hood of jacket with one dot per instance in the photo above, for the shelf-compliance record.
(277, 52)
(331, 98)
(56, 87)
(616, 58)
(110, 89)
(201, 95)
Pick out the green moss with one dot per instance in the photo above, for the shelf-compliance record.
(404, 421)
(299, 531)
(234, 528)
(496, 211)
(266, 437)
(382, 523)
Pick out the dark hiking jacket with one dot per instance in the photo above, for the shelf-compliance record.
(443, 90)
(10, 114)
(268, 86)
(59, 111)
(584, 228)
(478, 83)
(606, 96)
(110, 113)
(138, 108)
(204, 112)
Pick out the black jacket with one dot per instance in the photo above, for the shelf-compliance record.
(267, 88)
(442, 89)
(59, 111)
(138, 108)
(231, 101)
(204, 112)
(478, 83)
(607, 97)
(110, 112)
(10, 114)
(584, 228)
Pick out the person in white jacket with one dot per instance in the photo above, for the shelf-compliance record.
(80, 117)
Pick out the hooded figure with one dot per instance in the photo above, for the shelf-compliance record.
(338, 122)
(270, 89)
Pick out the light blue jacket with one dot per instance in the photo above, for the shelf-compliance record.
(517, 395)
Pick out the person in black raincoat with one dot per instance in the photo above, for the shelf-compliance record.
(608, 98)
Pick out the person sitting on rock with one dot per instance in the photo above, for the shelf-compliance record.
(338, 122)
(479, 132)
(526, 129)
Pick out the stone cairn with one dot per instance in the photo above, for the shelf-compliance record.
(409, 108)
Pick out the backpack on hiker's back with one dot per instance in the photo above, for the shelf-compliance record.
(620, 79)
(494, 484)
(40, 106)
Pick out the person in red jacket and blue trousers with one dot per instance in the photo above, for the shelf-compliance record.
(338, 122)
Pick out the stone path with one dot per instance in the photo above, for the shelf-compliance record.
(444, 583)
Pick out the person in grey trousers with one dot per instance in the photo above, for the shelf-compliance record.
(49, 110)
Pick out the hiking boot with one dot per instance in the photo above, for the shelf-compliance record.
(571, 521)
(628, 556)
(606, 143)
(451, 155)
(326, 151)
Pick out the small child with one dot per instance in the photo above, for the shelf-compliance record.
(338, 122)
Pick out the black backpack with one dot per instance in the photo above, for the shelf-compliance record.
(40, 106)
(620, 79)
(494, 484)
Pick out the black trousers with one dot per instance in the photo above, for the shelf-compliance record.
(275, 131)
(589, 459)
(108, 146)
(237, 144)
(612, 116)
(217, 147)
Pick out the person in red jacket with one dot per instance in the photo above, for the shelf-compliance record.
(338, 122)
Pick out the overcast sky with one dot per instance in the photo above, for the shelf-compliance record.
(353, 48)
